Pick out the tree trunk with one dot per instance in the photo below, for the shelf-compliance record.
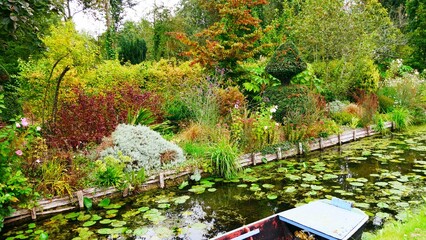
(55, 100)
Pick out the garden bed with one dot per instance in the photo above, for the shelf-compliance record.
(47, 207)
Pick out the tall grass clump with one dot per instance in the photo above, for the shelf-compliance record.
(401, 117)
(224, 160)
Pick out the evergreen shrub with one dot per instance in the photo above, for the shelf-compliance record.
(146, 147)
(286, 63)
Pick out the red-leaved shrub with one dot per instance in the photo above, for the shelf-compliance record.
(91, 117)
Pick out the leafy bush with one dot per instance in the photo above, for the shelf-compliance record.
(92, 117)
(177, 111)
(110, 170)
(224, 160)
(295, 104)
(286, 62)
(147, 149)
(342, 118)
(369, 105)
(15, 142)
(228, 99)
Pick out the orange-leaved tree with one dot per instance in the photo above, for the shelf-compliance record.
(232, 38)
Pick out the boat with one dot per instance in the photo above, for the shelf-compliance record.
(334, 219)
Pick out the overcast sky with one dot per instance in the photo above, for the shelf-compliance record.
(85, 22)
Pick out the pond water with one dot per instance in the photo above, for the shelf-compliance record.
(382, 176)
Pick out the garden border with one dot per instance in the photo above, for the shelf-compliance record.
(47, 207)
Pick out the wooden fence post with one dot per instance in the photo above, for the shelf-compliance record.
(33, 213)
(162, 180)
(300, 148)
(80, 199)
(253, 159)
(320, 143)
(279, 153)
(339, 139)
(354, 135)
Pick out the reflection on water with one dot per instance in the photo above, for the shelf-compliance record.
(383, 176)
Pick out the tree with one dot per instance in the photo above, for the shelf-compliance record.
(233, 37)
(42, 81)
(416, 10)
(132, 47)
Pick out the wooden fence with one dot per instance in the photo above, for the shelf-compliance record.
(48, 207)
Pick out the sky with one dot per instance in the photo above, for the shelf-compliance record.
(85, 22)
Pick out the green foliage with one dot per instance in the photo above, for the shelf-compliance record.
(401, 117)
(132, 47)
(110, 170)
(295, 104)
(146, 148)
(88, 203)
(177, 111)
(379, 125)
(342, 118)
(54, 180)
(416, 11)
(15, 189)
(386, 104)
(285, 63)
(309, 79)
(2, 106)
(224, 160)
(142, 117)
(255, 79)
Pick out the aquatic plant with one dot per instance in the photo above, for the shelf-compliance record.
(224, 160)
(146, 148)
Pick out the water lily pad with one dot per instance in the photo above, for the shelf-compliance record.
(293, 177)
(242, 185)
(31, 225)
(181, 199)
(403, 204)
(382, 205)
(357, 158)
(84, 217)
(206, 183)
(72, 215)
(117, 224)
(363, 180)
(143, 209)
(212, 189)
(290, 189)
(328, 176)
(255, 187)
(272, 196)
(362, 205)
(104, 202)
(282, 169)
(89, 223)
(95, 217)
(113, 206)
(164, 205)
(105, 221)
(316, 187)
(198, 189)
(357, 184)
(268, 186)
(381, 184)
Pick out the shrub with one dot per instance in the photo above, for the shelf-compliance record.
(369, 105)
(286, 62)
(177, 111)
(295, 104)
(228, 99)
(342, 118)
(92, 117)
(146, 148)
(110, 170)
(224, 160)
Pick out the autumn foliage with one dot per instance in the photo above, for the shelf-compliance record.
(233, 38)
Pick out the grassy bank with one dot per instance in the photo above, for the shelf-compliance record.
(413, 228)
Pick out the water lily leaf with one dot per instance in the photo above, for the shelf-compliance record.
(350, 179)
(112, 211)
(72, 215)
(381, 184)
(272, 196)
(95, 217)
(316, 187)
(143, 209)
(374, 175)
(357, 158)
(293, 177)
(363, 180)
(118, 224)
(89, 223)
(206, 183)
(181, 199)
(250, 179)
(139, 232)
(212, 189)
(328, 176)
(305, 185)
(402, 216)
(255, 188)
(104, 202)
(362, 205)
(309, 177)
(366, 153)
(242, 185)
(281, 169)
(105, 231)
(31, 225)
(403, 204)
(44, 236)
(290, 190)
(131, 213)
(113, 206)
(383, 215)
(84, 217)
(105, 221)
(382, 205)
(163, 205)
(268, 186)
(357, 184)
(198, 189)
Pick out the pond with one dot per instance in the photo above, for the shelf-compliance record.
(383, 176)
